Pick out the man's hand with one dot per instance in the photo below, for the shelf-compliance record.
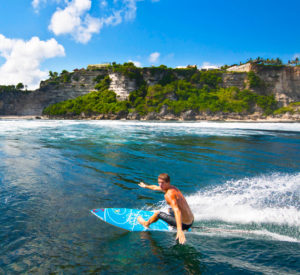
(143, 185)
(180, 237)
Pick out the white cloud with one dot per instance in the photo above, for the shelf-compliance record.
(75, 19)
(208, 65)
(114, 19)
(23, 59)
(136, 63)
(129, 9)
(181, 67)
(154, 57)
(37, 3)
(104, 3)
(296, 55)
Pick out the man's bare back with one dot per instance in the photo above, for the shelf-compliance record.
(173, 193)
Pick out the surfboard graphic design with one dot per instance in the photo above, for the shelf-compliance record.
(127, 219)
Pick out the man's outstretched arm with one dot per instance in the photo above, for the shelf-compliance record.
(151, 187)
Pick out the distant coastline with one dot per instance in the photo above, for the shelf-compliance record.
(209, 119)
(255, 91)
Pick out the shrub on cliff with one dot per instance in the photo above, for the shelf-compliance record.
(99, 102)
(103, 83)
(267, 103)
(11, 88)
(292, 108)
(254, 80)
(127, 69)
(211, 78)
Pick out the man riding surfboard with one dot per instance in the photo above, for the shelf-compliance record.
(180, 214)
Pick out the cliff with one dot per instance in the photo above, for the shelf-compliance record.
(281, 81)
(52, 91)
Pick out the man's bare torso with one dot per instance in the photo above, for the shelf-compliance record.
(174, 194)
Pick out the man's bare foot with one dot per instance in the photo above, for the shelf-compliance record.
(142, 222)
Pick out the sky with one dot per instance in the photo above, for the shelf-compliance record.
(38, 36)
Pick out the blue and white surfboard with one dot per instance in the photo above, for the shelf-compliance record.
(127, 219)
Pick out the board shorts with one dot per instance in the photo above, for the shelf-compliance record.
(170, 219)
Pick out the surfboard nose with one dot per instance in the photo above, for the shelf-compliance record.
(97, 210)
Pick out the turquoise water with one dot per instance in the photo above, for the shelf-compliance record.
(242, 181)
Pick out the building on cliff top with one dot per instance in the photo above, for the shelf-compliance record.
(97, 66)
(185, 67)
(241, 68)
(203, 68)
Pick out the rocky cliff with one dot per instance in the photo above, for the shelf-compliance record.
(283, 82)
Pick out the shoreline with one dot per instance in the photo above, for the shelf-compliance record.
(22, 117)
(211, 119)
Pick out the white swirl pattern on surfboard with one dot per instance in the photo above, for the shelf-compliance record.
(127, 219)
(111, 211)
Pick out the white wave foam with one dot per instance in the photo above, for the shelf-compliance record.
(218, 128)
(211, 231)
(265, 199)
(275, 236)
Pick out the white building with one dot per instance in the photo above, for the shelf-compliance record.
(241, 68)
(97, 66)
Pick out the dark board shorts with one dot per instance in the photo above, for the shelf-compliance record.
(170, 219)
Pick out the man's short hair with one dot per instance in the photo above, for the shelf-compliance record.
(165, 177)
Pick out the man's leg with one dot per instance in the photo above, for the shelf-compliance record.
(152, 219)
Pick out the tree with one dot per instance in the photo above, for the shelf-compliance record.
(53, 74)
(64, 72)
(278, 61)
(20, 86)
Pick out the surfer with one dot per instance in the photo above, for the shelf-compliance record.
(180, 214)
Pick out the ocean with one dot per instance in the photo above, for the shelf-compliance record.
(241, 180)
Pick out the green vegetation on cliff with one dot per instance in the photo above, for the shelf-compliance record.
(177, 91)
(254, 80)
(292, 108)
(12, 88)
(102, 101)
(181, 96)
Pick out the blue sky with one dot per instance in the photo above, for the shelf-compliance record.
(41, 35)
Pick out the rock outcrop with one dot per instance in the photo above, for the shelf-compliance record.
(283, 82)
(121, 85)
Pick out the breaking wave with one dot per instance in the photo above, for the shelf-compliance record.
(264, 199)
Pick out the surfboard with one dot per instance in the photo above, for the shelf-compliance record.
(127, 219)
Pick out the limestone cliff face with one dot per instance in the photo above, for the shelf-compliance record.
(33, 103)
(234, 79)
(122, 85)
(283, 82)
